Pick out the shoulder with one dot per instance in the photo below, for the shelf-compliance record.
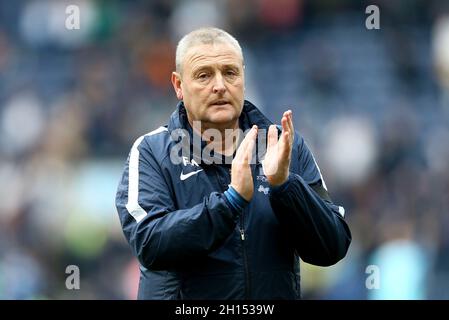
(155, 137)
(299, 141)
(304, 161)
(151, 142)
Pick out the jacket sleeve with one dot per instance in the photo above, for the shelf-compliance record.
(312, 222)
(160, 236)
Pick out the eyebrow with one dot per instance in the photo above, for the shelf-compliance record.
(209, 67)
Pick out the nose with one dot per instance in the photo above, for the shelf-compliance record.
(219, 86)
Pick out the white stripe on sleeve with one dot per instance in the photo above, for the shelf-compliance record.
(133, 206)
(341, 211)
(319, 171)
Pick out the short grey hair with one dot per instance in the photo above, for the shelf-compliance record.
(200, 36)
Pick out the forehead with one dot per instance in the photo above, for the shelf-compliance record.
(212, 54)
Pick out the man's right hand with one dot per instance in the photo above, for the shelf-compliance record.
(241, 176)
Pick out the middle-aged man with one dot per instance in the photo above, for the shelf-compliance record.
(222, 221)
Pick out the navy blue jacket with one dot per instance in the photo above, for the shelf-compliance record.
(189, 242)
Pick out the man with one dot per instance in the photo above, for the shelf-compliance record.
(210, 228)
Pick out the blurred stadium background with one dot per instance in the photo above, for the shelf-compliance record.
(372, 104)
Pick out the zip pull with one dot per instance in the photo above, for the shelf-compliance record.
(242, 234)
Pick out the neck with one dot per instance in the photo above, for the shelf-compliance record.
(223, 138)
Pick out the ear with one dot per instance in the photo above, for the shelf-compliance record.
(176, 82)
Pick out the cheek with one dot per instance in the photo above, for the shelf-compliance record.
(202, 95)
(198, 97)
(189, 94)
(238, 91)
(238, 85)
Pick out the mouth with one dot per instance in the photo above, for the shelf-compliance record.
(220, 102)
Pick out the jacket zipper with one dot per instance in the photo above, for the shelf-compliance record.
(242, 233)
(245, 258)
(242, 237)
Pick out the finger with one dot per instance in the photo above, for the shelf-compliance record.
(250, 146)
(285, 144)
(290, 122)
(248, 151)
(247, 137)
(250, 136)
(272, 138)
(287, 126)
(284, 122)
(290, 125)
(287, 115)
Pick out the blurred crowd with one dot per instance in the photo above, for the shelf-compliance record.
(373, 105)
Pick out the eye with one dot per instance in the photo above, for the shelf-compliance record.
(203, 76)
(231, 72)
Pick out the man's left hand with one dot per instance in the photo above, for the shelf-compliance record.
(277, 159)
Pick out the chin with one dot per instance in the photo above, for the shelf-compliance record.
(223, 119)
(223, 116)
